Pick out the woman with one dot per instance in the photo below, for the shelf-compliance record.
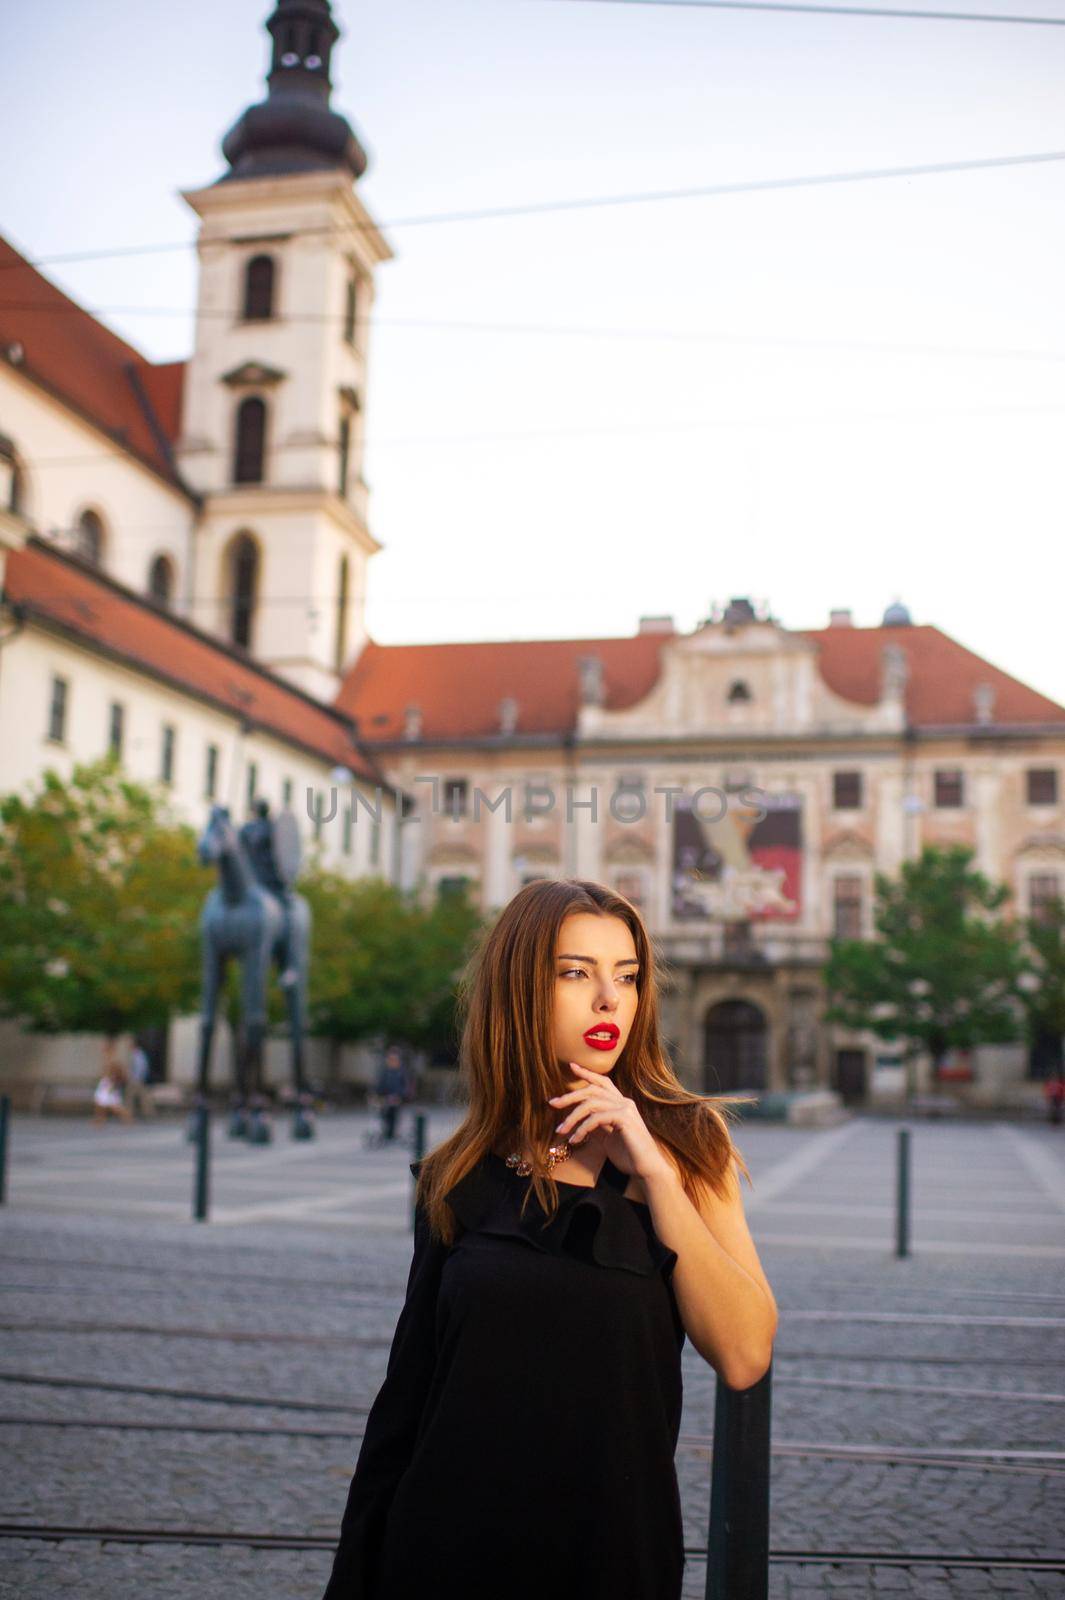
(108, 1097)
(522, 1441)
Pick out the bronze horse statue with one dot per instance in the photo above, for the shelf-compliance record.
(255, 917)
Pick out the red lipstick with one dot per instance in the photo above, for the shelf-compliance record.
(610, 1029)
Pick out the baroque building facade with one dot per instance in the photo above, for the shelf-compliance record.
(742, 784)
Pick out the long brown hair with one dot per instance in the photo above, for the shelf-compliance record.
(506, 997)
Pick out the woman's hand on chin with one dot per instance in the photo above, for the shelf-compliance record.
(600, 1117)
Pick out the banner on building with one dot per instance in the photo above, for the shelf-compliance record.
(740, 867)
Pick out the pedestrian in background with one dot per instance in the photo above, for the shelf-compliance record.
(394, 1088)
(140, 1068)
(108, 1097)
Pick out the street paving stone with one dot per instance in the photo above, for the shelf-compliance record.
(273, 1322)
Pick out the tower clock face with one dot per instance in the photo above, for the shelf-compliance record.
(312, 62)
(290, 59)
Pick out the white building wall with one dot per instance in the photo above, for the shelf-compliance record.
(70, 467)
(27, 668)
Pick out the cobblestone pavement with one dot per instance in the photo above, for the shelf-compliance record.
(204, 1386)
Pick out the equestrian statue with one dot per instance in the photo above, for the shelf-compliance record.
(254, 916)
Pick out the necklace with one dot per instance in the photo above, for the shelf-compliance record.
(556, 1154)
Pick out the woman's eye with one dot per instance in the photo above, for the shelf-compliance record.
(578, 972)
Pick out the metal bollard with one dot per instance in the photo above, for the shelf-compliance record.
(902, 1195)
(420, 1124)
(737, 1565)
(201, 1134)
(5, 1119)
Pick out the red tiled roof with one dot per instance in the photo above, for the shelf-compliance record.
(459, 686)
(88, 367)
(112, 619)
(942, 675)
(164, 385)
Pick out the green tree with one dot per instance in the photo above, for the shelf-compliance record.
(1044, 992)
(383, 964)
(943, 971)
(100, 895)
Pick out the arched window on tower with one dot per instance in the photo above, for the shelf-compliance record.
(250, 443)
(351, 308)
(11, 483)
(89, 538)
(343, 455)
(259, 278)
(341, 652)
(242, 588)
(161, 580)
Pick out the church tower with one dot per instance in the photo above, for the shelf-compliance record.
(275, 391)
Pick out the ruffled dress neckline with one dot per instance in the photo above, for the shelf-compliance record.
(595, 1223)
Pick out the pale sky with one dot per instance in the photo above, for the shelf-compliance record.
(818, 397)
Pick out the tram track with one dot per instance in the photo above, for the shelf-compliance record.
(119, 1534)
(311, 1340)
(210, 1397)
(1023, 1463)
(389, 1293)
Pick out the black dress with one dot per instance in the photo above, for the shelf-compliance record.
(522, 1442)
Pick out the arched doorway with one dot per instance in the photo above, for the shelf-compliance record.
(736, 1047)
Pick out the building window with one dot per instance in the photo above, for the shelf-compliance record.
(343, 456)
(250, 442)
(738, 692)
(286, 795)
(340, 653)
(251, 785)
(456, 797)
(455, 885)
(57, 710)
(210, 773)
(166, 754)
(351, 308)
(116, 729)
(347, 816)
(1044, 891)
(243, 586)
(375, 842)
(630, 884)
(161, 580)
(737, 941)
(10, 477)
(847, 791)
(948, 788)
(847, 907)
(1042, 786)
(259, 289)
(90, 538)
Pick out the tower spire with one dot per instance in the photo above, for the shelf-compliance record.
(295, 129)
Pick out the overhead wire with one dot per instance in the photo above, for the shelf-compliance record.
(548, 330)
(627, 430)
(535, 208)
(907, 12)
